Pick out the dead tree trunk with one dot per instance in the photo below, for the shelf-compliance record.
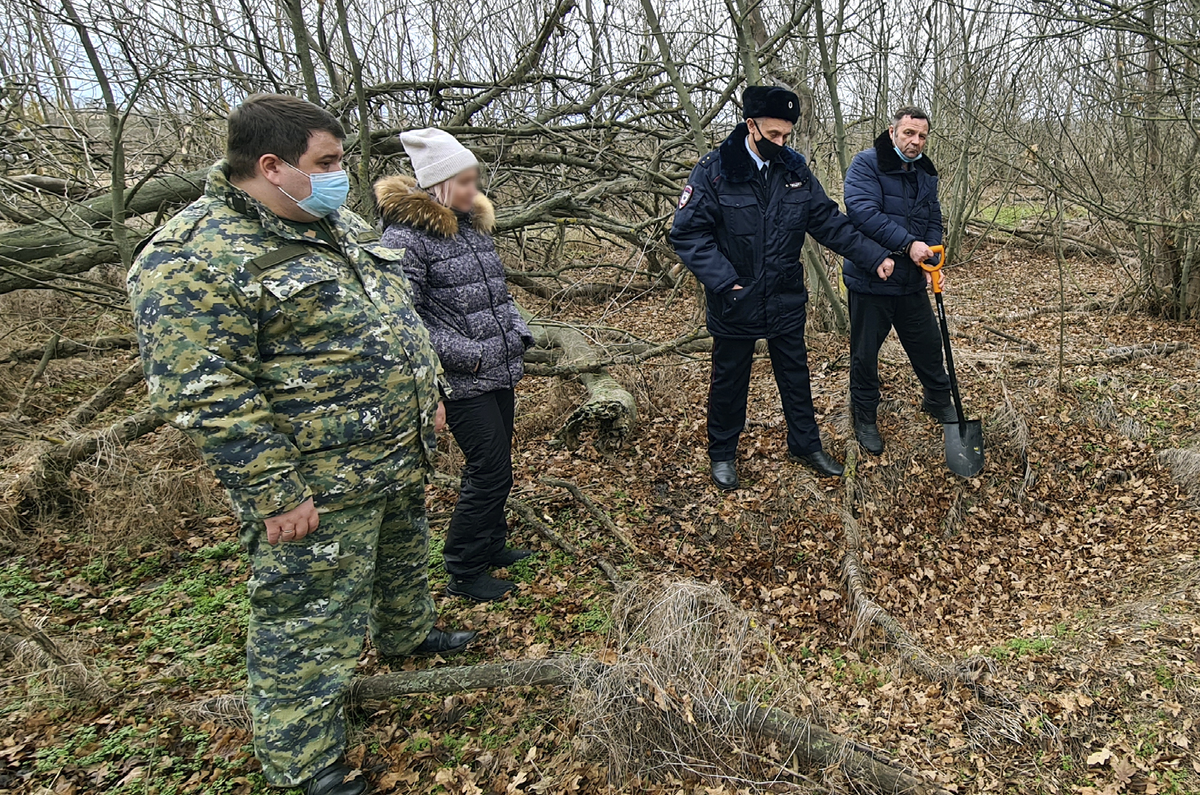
(609, 410)
(812, 746)
(62, 244)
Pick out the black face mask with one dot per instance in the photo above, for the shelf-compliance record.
(767, 149)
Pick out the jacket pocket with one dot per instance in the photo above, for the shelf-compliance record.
(740, 214)
(295, 579)
(309, 292)
(738, 306)
(346, 426)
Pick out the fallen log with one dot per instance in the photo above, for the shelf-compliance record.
(1033, 346)
(41, 273)
(91, 408)
(530, 517)
(595, 510)
(52, 241)
(68, 348)
(609, 410)
(40, 183)
(42, 484)
(1046, 237)
(38, 372)
(1026, 314)
(815, 747)
(65, 668)
(1128, 353)
(805, 743)
(696, 341)
(577, 291)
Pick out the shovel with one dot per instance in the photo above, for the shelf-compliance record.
(964, 439)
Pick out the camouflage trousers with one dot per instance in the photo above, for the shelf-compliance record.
(311, 602)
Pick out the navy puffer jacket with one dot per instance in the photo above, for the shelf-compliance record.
(732, 228)
(893, 206)
(458, 286)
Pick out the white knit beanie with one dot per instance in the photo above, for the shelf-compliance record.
(436, 155)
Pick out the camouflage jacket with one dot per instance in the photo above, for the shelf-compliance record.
(298, 367)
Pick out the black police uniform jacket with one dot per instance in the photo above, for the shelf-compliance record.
(731, 228)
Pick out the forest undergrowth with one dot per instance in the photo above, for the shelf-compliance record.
(1060, 586)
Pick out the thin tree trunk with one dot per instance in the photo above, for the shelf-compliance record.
(668, 62)
(299, 28)
(116, 127)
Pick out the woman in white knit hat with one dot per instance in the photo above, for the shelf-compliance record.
(444, 224)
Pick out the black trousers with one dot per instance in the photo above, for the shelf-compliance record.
(731, 360)
(483, 428)
(872, 317)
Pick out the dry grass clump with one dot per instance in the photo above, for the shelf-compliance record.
(1006, 428)
(544, 408)
(1185, 467)
(667, 705)
(65, 668)
(655, 389)
(1107, 416)
(145, 494)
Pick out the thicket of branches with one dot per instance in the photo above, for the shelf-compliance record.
(589, 115)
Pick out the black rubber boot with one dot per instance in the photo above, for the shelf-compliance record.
(821, 463)
(484, 588)
(508, 556)
(334, 780)
(724, 474)
(866, 430)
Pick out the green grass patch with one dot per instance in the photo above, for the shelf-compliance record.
(160, 757)
(1020, 647)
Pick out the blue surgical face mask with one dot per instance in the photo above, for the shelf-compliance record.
(329, 192)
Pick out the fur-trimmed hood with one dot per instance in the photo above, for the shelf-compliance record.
(400, 201)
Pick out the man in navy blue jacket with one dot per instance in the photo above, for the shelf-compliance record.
(739, 227)
(891, 197)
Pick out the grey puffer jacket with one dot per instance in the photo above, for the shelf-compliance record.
(458, 286)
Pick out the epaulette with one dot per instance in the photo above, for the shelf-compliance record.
(708, 158)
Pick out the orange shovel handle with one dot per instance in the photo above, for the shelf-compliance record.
(936, 270)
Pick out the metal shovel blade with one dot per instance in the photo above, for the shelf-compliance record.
(964, 447)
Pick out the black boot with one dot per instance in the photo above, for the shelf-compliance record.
(439, 641)
(939, 406)
(821, 463)
(508, 556)
(867, 431)
(724, 474)
(333, 781)
(484, 588)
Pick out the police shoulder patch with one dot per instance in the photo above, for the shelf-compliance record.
(686, 197)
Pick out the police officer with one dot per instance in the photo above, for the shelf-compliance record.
(891, 197)
(277, 333)
(739, 227)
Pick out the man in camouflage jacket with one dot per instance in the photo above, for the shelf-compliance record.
(280, 335)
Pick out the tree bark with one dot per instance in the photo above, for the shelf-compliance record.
(609, 409)
(812, 746)
(815, 747)
(56, 239)
(68, 348)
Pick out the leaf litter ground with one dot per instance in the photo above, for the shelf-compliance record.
(1069, 566)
